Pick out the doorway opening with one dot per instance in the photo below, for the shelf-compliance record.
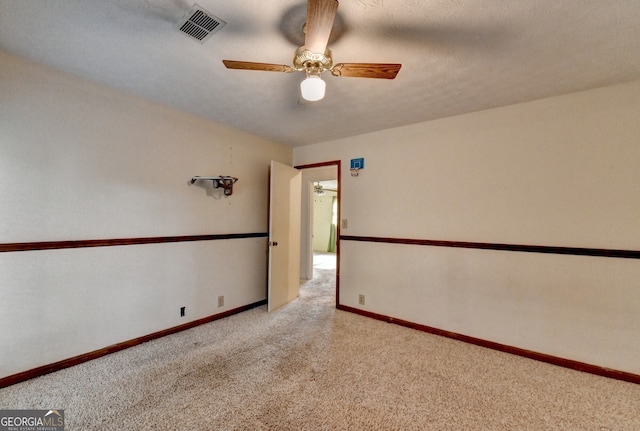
(324, 215)
(320, 227)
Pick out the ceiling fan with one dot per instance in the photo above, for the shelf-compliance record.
(314, 58)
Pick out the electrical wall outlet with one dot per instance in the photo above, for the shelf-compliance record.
(361, 299)
(220, 301)
(183, 311)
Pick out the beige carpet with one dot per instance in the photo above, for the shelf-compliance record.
(310, 367)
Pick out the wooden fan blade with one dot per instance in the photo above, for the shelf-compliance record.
(320, 17)
(248, 65)
(366, 70)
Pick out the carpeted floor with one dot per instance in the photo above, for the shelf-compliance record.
(308, 366)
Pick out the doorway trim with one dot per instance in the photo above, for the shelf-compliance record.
(335, 163)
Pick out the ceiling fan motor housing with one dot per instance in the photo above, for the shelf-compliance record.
(305, 59)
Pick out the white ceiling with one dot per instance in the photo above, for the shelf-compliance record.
(458, 56)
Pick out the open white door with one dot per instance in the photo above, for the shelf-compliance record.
(284, 235)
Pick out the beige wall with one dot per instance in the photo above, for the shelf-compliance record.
(79, 161)
(561, 172)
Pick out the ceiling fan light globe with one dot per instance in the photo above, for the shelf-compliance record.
(312, 88)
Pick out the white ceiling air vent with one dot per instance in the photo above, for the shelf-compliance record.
(200, 24)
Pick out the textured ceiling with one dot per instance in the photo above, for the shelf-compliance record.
(458, 56)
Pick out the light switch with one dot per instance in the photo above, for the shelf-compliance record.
(345, 223)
